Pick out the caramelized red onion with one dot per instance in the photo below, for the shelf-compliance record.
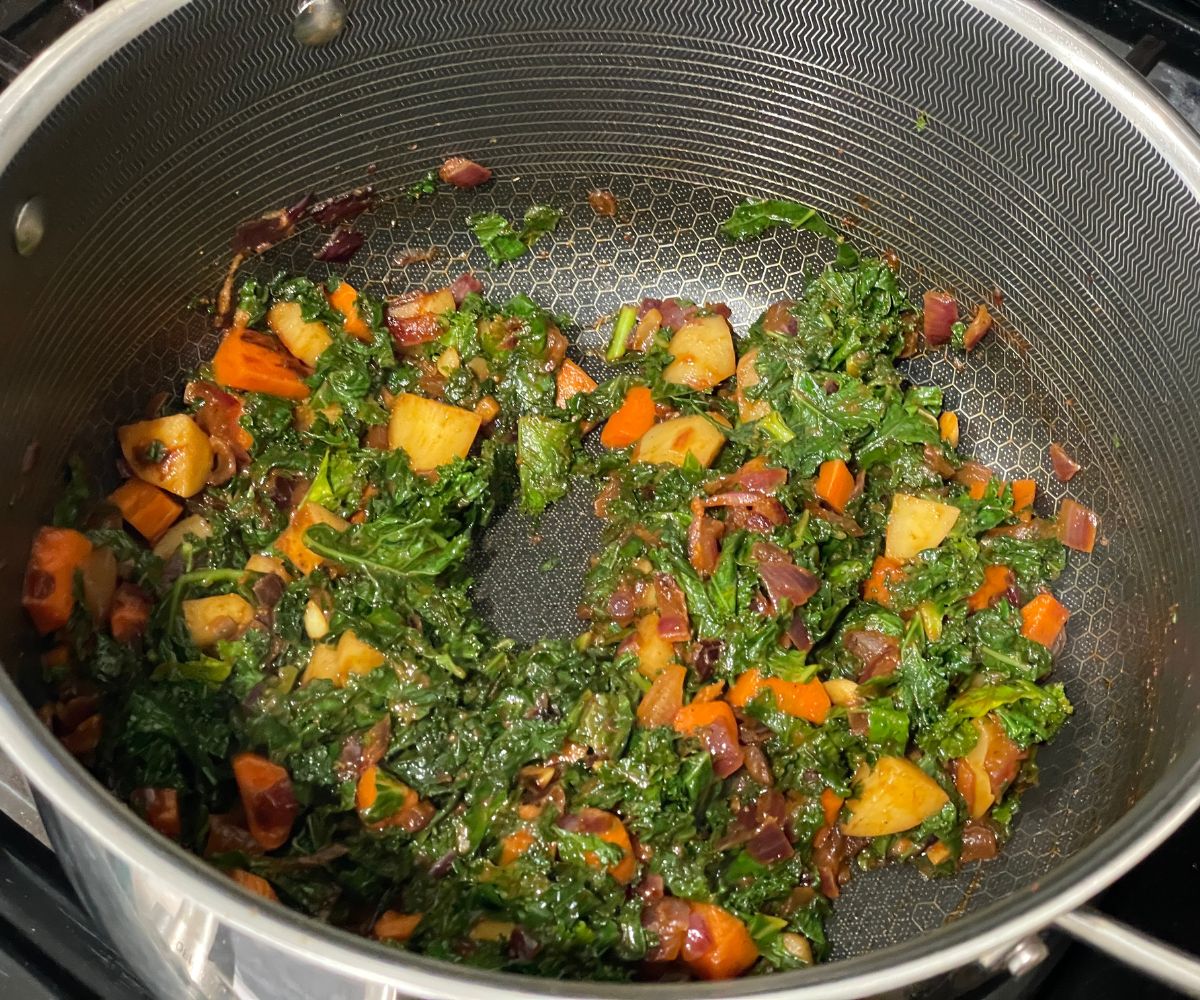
(342, 244)
(769, 844)
(785, 580)
(878, 652)
(464, 285)
(779, 318)
(463, 173)
(673, 622)
(667, 919)
(1077, 526)
(723, 747)
(344, 207)
(941, 313)
(1063, 464)
(704, 540)
(257, 235)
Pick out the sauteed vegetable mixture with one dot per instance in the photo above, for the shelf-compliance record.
(816, 638)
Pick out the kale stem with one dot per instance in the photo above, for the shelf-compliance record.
(622, 328)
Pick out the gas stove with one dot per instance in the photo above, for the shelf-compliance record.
(49, 947)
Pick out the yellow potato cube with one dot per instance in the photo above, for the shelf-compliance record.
(702, 353)
(916, 524)
(894, 796)
(424, 304)
(670, 442)
(190, 527)
(291, 542)
(211, 619)
(336, 663)
(306, 340)
(172, 453)
(431, 433)
(653, 651)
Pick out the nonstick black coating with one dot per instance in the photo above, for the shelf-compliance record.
(1024, 188)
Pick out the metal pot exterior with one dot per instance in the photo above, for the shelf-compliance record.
(1046, 170)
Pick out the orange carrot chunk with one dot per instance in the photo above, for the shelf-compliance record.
(49, 592)
(884, 572)
(808, 700)
(831, 805)
(344, 299)
(1043, 619)
(834, 484)
(149, 510)
(1023, 493)
(728, 949)
(996, 582)
(250, 361)
(514, 846)
(267, 797)
(255, 883)
(570, 380)
(395, 926)
(130, 612)
(631, 420)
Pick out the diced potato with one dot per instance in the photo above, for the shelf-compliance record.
(306, 340)
(431, 433)
(172, 453)
(749, 410)
(916, 524)
(670, 442)
(894, 796)
(259, 563)
(702, 353)
(424, 304)
(211, 619)
(190, 527)
(653, 651)
(492, 930)
(982, 798)
(842, 692)
(291, 542)
(336, 663)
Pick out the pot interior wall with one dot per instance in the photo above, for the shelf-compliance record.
(1024, 187)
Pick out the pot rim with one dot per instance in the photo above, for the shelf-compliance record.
(78, 799)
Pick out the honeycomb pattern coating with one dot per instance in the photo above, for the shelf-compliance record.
(1024, 181)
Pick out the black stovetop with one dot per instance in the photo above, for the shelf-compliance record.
(50, 948)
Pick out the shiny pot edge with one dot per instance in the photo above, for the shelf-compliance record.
(982, 937)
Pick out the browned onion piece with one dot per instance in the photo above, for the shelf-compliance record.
(622, 604)
(1063, 464)
(978, 328)
(667, 920)
(673, 623)
(785, 580)
(463, 173)
(978, 842)
(342, 244)
(344, 207)
(1077, 526)
(224, 462)
(603, 203)
(723, 747)
(797, 633)
(941, 313)
(878, 652)
(704, 540)
(464, 285)
(674, 312)
(699, 940)
(843, 522)
(779, 318)
(769, 844)
(257, 235)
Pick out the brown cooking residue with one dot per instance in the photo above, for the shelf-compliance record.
(603, 203)
(29, 459)
(964, 903)
(409, 256)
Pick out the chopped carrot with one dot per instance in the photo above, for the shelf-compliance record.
(1043, 619)
(710, 692)
(344, 299)
(831, 805)
(515, 845)
(834, 484)
(395, 926)
(130, 613)
(571, 380)
(996, 582)
(696, 716)
(160, 808)
(49, 592)
(254, 883)
(808, 701)
(948, 428)
(631, 420)
(613, 832)
(267, 797)
(149, 510)
(938, 853)
(1023, 493)
(409, 812)
(250, 361)
(884, 572)
(732, 950)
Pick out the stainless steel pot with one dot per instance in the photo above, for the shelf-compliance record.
(1048, 173)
